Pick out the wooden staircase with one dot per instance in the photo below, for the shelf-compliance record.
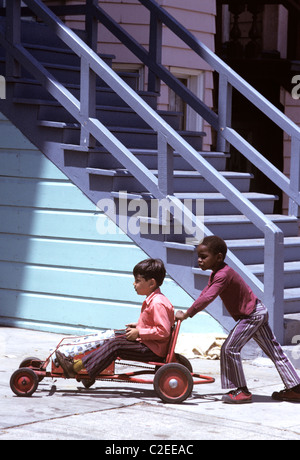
(105, 178)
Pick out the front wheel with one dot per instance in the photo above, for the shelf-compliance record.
(24, 382)
(32, 362)
(173, 383)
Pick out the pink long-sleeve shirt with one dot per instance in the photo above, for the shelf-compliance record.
(236, 295)
(155, 322)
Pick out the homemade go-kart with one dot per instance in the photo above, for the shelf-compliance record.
(173, 379)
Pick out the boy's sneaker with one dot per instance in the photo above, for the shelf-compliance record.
(239, 396)
(286, 395)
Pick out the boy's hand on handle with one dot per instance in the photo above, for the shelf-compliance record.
(181, 315)
(132, 333)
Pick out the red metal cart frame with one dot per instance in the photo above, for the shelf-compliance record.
(173, 379)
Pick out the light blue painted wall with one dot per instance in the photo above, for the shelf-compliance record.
(57, 273)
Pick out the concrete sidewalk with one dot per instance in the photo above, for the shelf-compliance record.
(113, 411)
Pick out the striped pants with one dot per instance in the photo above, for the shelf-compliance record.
(254, 326)
(119, 347)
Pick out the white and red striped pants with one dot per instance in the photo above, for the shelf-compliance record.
(254, 326)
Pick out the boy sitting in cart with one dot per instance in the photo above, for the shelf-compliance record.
(147, 340)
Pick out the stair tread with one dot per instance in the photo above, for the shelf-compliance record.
(64, 50)
(243, 219)
(178, 172)
(219, 196)
(111, 108)
(57, 124)
(260, 242)
(102, 172)
(240, 243)
(292, 294)
(212, 196)
(201, 152)
(120, 129)
(105, 89)
(288, 266)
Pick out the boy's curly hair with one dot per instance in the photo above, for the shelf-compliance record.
(151, 268)
(215, 244)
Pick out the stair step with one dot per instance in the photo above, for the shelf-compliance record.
(108, 115)
(69, 133)
(60, 54)
(292, 300)
(102, 172)
(216, 203)
(28, 88)
(30, 31)
(135, 138)
(251, 251)
(70, 74)
(149, 158)
(101, 158)
(233, 227)
(291, 273)
(183, 180)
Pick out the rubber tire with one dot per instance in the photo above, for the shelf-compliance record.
(177, 374)
(24, 382)
(27, 361)
(87, 383)
(184, 361)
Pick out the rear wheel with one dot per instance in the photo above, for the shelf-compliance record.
(173, 383)
(24, 382)
(184, 361)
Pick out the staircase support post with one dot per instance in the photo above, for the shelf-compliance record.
(224, 111)
(294, 175)
(87, 102)
(91, 25)
(165, 165)
(274, 281)
(13, 35)
(155, 51)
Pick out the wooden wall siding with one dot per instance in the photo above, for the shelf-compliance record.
(57, 273)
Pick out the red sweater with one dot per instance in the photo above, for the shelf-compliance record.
(236, 295)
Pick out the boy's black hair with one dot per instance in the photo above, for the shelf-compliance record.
(215, 244)
(151, 268)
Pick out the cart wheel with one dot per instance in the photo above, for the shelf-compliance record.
(24, 382)
(34, 362)
(88, 383)
(173, 383)
(184, 361)
(28, 362)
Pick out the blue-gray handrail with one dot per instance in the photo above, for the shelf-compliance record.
(83, 111)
